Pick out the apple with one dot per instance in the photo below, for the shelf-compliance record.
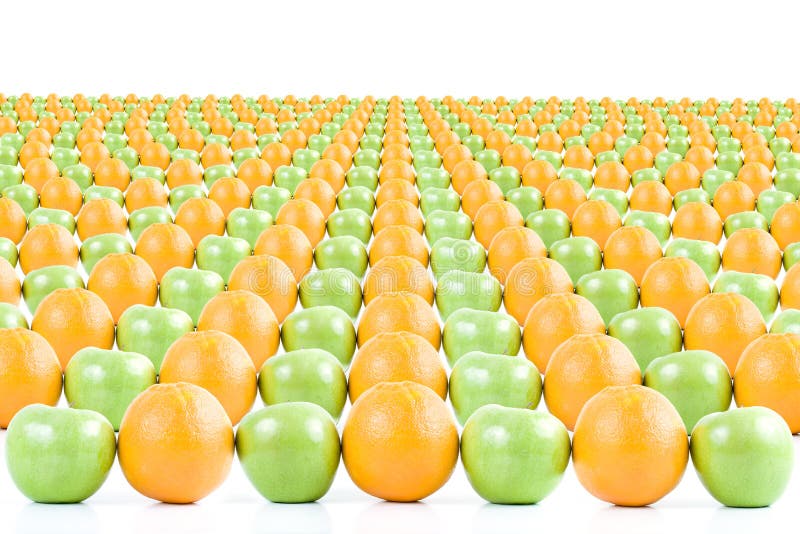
(350, 222)
(615, 197)
(474, 143)
(435, 198)
(788, 180)
(451, 254)
(107, 381)
(791, 255)
(690, 195)
(150, 330)
(788, 321)
(648, 333)
(97, 191)
(344, 251)
(713, 178)
(744, 457)
(552, 225)
(578, 256)
(429, 177)
(481, 378)
(514, 455)
(215, 172)
(11, 316)
(703, 253)
(331, 287)
(507, 178)
(59, 455)
(367, 157)
(290, 452)
(148, 171)
(582, 176)
(745, 219)
(467, 330)
(40, 283)
(189, 289)
(52, 216)
(140, 219)
(358, 197)
(696, 382)
(220, 254)
(289, 178)
(362, 176)
(489, 158)
(10, 174)
(759, 288)
(770, 200)
(454, 224)
(307, 375)
(527, 200)
(248, 224)
(657, 223)
(461, 289)
(320, 327)
(26, 196)
(611, 291)
(97, 247)
(270, 199)
(182, 193)
(8, 251)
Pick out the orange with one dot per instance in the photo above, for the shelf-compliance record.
(47, 244)
(785, 226)
(681, 176)
(200, 217)
(724, 323)
(13, 222)
(579, 157)
(164, 246)
(633, 249)
(478, 193)
(565, 195)
(697, 220)
(399, 312)
(123, 280)
(92, 154)
(269, 278)
(255, 172)
(30, 372)
(394, 189)
(733, 197)
(397, 169)
(651, 195)
(392, 274)
(72, 319)
(676, 284)
(601, 142)
(768, 374)
(144, 193)
(394, 212)
(756, 175)
(701, 157)
(539, 174)
(276, 154)
(33, 150)
(304, 215)
(216, 362)
(9, 283)
(215, 154)
(612, 175)
(330, 171)
(581, 367)
(101, 216)
(245, 317)
(39, 171)
(290, 245)
(112, 173)
(596, 219)
(341, 152)
(790, 290)
(554, 319)
(494, 216)
(320, 193)
(175, 443)
(752, 250)
(510, 246)
(396, 357)
(630, 446)
(400, 441)
(467, 171)
(638, 157)
(184, 172)
(398, 240)
(517, 156)
(229, 194)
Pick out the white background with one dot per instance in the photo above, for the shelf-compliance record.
(489, 48)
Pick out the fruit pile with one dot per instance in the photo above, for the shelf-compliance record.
(161, 246)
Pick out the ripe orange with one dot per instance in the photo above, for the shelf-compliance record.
(510, 246)
(723, 323)
(30, 372)
(681, 176)
(13, 222)
(320, 193)
(47, 244)
(330, 171)
(39, 171)
(630, 446)
(612, 175)
(396, 189)
(580, 368)
(399, 211)
(72, 319)
(529, 281)
(596, 219)
(539, 174)
(756, 175)
(733, 197)
(255, 172)
(304, 215)
(61, 193)
(290, 245)
(276, 154)
(633, 249)
(144, 193)
(398, 240)
(269, 278)
(652, 196)
(697, 220)
(477, 194)
(112, 172)
(752, 250)
(400, 441)
(395, 357)
(493, 217)
(229, 193)
(101, 216)
(565, 195)
(9, 283)
(465, 172)
(393, 274)
(200, 217)
(175, 443)
(399, 312)
(638, 157)
(184, 172)
(123, 280)
(676, 284)
(164, 246)
(785, 226)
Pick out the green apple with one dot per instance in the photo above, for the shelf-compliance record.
(26, 196)
(98, 191)
(97, 247)
(350, 222)
(759, 288)
(770, 200)
(745, 219)
(289, 452)
(151, 330)
(657, 223)
(552, 225)
(59, 455)
(214, 173)
(616, 198)
(461, 289)
(182, 193)
(788, 180)
(357, 197)
(362, 176)
(10, 174)
(703, 253)
(713, 178)
(8, 251)
(11, 316)
(107, 381)
(428, 178)
(248, 224)
(791, 255)
(481, 378)
(467, 330)
(788, 321)
(331, 287)
(527, 199)
(40, 283)
(367, 157)
(696, 382)
(270, 199)
(648, 333)
(189, 289)
(506, 178)
(582, 176)
(52, 216)
(489, 158)
(514, 455)
(289, 178)
(344, 251)
(453, 224)
(611, 291)
(450, 254)
(435, 198)
(690, 195)
(744, 457)
(578, 256)
(140, 219)
(307, 375)
(220, 254)
(320, 327)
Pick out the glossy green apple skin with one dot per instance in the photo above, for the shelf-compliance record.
(350, 222)
(59, 455)
(648, 333)
(481, 378)
(8, 251)
(703, 253)
(141, 219)
(435, 198)
(182, 193)
(791, 255)
(788, 321)
(453, 224)
(304, 375)
(248, 224)
(220, 254)
(344, 251)
(449, 254)
(514, 455)
(107, 381)
(40, 283)
(331, 287)
(290, 452)
(696, 382)
(759, 288)
(657, 223)
(744, 457)
(527, 200)
(151, 330)
(356, 197)
(189, 289)
(611, 291)
(578, 256)
(270, 199)
(461, 289)
(321, 327)
(11, 316)
(97, 247)
(468, 330)
(552, 225)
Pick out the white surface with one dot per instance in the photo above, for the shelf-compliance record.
(490, 47)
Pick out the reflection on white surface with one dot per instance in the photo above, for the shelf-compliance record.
(621, 520)
(399, 518)
(62, 518)
(311, 518)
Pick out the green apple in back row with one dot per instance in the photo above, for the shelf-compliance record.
(151, 330)
(350, 222)
(220, 254)
(331, 287)
(321, 327)
(59, 455)
(467, 330)
(788, 321)
(611, 291)
(759, 288)
(703, 253)
(40, 283)
(11, 316)
(248, 224)
(97, 247)
(453, 224)
(648, 333)
(449, 254)
(345, 252)
(461, 289)
(552, 225)
(578, 256)
(189, 289)
(8, 251)
(142, 218)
